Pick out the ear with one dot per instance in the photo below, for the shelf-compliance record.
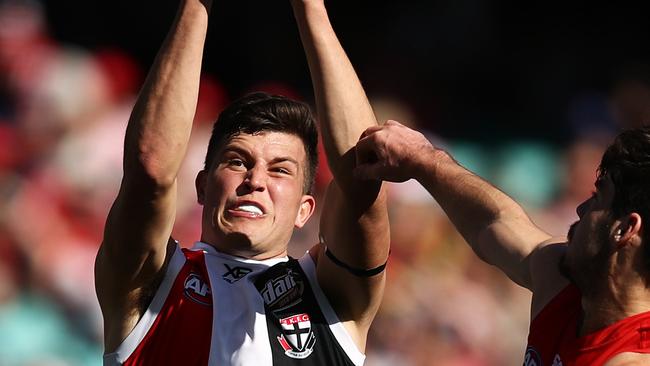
(200, 182)
(627, 229)
(307, 207)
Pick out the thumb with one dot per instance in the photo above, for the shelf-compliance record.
(365, 151)
(370, 130)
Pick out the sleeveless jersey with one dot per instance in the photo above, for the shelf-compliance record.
(553, 340)
(216, 309)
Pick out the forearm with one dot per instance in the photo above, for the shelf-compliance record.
(495, 226)
(471, 202)
(161, 121)
(343, 108)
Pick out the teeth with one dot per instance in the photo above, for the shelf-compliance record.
(250, 208)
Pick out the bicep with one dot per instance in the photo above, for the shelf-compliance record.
(354, 223)
(135, 240)
(508, 244)
(356, 233)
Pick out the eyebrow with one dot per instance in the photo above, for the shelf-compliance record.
(242, 151)
(281, 159)
(235, 149)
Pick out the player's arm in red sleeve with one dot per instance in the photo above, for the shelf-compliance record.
(354, 221)
(493, 224)
(136, 239)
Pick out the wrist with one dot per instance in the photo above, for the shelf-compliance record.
(429, 162)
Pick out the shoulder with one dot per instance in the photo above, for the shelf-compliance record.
(546, 277)
(629, 359)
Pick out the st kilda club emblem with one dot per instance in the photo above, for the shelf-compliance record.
(297, 337)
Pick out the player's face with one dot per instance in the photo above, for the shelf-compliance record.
(590, 238)
(253, 195)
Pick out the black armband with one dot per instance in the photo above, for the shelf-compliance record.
(359, 272)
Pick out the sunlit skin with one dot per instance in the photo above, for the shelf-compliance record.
(588, 236)
(591, 238)
(604, 258)
(253, 196)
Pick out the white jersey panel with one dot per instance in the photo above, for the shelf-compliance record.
(239, 330)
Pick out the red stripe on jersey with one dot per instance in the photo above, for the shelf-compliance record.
(181, 333)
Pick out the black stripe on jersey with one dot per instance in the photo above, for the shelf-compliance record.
(297, 329)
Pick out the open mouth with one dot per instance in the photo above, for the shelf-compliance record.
(249, 208)
(246, 209)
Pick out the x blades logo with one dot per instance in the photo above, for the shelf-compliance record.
(235, 274)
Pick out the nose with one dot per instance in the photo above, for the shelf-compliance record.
(255, 179)
(580, 210)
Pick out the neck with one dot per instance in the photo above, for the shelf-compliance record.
(615, 302)
(244, 249)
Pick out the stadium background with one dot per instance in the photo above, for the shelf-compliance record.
(526, 95)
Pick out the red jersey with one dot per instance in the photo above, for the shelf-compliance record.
(553, 341)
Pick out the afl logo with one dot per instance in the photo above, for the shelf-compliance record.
(532, 357)
(197, 290)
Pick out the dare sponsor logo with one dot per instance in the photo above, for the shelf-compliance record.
(297, 339)
(532, 358)
(282, 292)
(197, 289)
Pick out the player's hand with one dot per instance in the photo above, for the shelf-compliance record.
(390, 152)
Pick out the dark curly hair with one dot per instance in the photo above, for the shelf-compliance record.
(258, 112)
(627, 162)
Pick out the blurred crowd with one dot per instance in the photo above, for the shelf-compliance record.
(63, 112)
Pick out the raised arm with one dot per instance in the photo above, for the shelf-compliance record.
(354, 222)
(494, 225)
(132, 256)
